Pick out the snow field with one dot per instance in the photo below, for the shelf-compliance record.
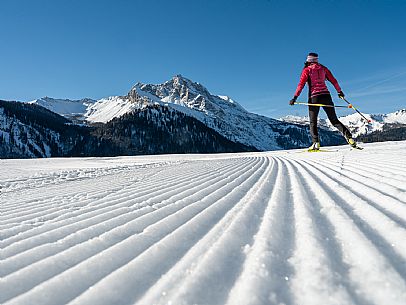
(256, 228)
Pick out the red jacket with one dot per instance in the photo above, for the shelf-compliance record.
(315, 75)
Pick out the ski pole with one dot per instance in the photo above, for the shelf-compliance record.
(352, 106)
(322, 105)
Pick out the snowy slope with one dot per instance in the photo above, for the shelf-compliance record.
(284, 227)
(355, 123)
(180, 93)
(73, 109)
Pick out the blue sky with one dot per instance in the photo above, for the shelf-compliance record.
(250, 50)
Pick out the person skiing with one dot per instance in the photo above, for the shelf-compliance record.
(315, 75)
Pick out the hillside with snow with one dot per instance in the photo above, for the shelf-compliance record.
(71, 109)
(283, 227)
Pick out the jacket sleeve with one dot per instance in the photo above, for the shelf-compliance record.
(302, 82)
(332, 80)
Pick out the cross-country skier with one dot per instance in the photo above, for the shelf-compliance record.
(315, 75)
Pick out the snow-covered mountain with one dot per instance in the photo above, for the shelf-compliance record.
(71, 109)
(180, 94)
(30, 130)
(355, 123)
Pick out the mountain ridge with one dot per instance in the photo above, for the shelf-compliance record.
(219, 113)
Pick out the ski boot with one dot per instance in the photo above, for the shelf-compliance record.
(352, 143)
(314, 147)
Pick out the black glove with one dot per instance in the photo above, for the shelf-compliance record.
(293, 101)
(341, 94)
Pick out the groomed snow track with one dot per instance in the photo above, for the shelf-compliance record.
(258, 228)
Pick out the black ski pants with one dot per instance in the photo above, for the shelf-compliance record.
(324, 99)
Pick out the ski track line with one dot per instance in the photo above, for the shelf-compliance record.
(392, 186)
(253, 229)
(39, 199)
(266, 270)
(173, 250)
(70, 201)
(118, 183)
(124, 180)
(34, 254)
(375, 279)
(395, 168)
(60, 177)
(326, 230)
(110, 200)
(380, 229)
(382, 201)
(378, 170)
(184, 270)
(317, 263)
(150, 231)
(53, 179)
(384, 158)
(63, 202)
(82, 211)
(391, 203)
(49, 195)
(367, 171)
(314, 273)
(62, 231)
(224, 243)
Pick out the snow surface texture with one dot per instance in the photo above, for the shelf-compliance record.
(282, 227)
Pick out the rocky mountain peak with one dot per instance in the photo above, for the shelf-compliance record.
(178, 90)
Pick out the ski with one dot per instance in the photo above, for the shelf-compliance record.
(357, 148)
(320, 150)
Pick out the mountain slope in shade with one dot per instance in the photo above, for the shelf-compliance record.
(29, 131)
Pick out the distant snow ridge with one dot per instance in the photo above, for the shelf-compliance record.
(355, 123)
(71, 109)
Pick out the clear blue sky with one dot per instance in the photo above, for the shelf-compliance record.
(251, 50)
